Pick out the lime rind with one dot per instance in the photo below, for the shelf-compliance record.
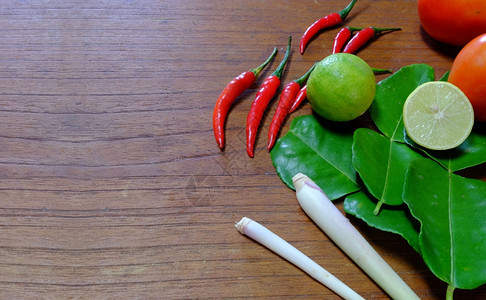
(341, 87)
(438, 116)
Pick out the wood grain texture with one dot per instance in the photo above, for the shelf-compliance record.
(111, 183)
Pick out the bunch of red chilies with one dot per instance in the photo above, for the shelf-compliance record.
(295, 92)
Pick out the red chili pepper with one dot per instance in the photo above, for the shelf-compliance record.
(301, 96)
(286, 100)
(363, 36)
(342, 38)
(262, 99)
(325, 22)
(232, 90)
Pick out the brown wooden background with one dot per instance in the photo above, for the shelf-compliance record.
(111, 183)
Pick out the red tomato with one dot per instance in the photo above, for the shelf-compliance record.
(468, 73)
(454, 22)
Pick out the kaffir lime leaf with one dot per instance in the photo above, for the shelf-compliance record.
(341, 87)
(437, 115)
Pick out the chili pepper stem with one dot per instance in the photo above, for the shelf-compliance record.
(379, 30)
(304, 77)
(344, 13)
(258, 69)
(380, 71)
(279, 70)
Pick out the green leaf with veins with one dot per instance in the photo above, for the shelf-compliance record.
(471, 152)
(452, 213)
(395, 219)
(381, 164)
(321, 150)
(391, 93)
(451, 209)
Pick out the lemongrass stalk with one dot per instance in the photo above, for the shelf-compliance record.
(325, 214)
(278, 245)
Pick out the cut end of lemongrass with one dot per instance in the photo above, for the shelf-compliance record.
(241, 224)
(299, 180)
(325, 214)
(267, 238)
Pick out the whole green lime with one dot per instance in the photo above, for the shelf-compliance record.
(341, 87)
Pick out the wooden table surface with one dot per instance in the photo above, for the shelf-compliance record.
(112, 185)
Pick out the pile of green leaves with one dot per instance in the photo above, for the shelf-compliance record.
(396, 186)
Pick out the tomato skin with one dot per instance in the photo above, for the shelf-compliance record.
(468, 73)
(454, 22)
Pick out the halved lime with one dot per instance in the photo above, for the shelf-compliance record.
(438, 116)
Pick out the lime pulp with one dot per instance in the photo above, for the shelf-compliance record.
(438, 116)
